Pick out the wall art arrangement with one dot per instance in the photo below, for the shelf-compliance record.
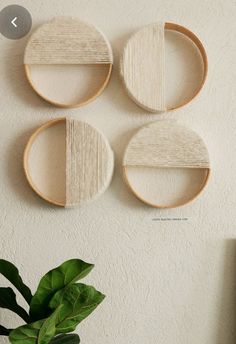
(60, 303)
(89, 160)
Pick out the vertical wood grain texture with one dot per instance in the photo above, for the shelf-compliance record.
(143, 67)
(89, 163)
(66, 40)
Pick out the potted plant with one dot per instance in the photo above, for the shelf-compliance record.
(57, 307)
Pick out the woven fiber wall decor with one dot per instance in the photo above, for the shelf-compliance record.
(89, 162)
(143, 66)
(68, 41)
(166, 145)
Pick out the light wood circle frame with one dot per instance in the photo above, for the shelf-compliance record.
(71, 105)
(109, 155)
(100, 89)
(189, 34)
(32, 139)
(159, 206)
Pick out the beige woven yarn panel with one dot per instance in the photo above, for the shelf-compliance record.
(89, 163)
(166, 144)
(143, 67)
(67, 40)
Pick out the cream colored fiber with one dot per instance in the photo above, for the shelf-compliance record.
(166, 144)
(89, 163)
(66, 40)
(143, 67)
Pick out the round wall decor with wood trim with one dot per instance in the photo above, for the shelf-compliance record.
(83, 162)
(66, 41)
(166, 146)
(143, 66)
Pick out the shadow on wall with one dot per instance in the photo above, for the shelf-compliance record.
(16, 76)
(120, 189)
(227, 307)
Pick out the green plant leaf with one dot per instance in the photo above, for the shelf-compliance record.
(4, 331)
(8, 301)
(9, 271)
(40, 332)
(48, 329)
(56, 279)
(66, 339)
(27, 334)
(78, 301)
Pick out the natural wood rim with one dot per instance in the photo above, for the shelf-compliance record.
(199, 45)
(26, 159)
(205, 182)
(183, 30)
(71, 105)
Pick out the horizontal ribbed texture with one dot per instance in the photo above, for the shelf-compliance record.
(166, 144)
(68, 41)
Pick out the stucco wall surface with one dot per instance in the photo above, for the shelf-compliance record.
(166, 281)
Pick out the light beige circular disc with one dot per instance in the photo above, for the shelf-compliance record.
(145, 72)
(157, 151)
(68, 162)
(65, 46)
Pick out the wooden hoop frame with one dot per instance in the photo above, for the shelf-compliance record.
(196, 41)
(199, 45)
(72, 105)
(166, 145)
(204, 184)
(33, 137)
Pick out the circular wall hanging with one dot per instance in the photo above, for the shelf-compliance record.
(144, 70)
(68, 162)
(67, 42)
(166, 147)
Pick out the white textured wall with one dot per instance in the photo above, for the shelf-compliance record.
(166, 282)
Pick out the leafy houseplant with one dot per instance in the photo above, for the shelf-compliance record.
(56, 308)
